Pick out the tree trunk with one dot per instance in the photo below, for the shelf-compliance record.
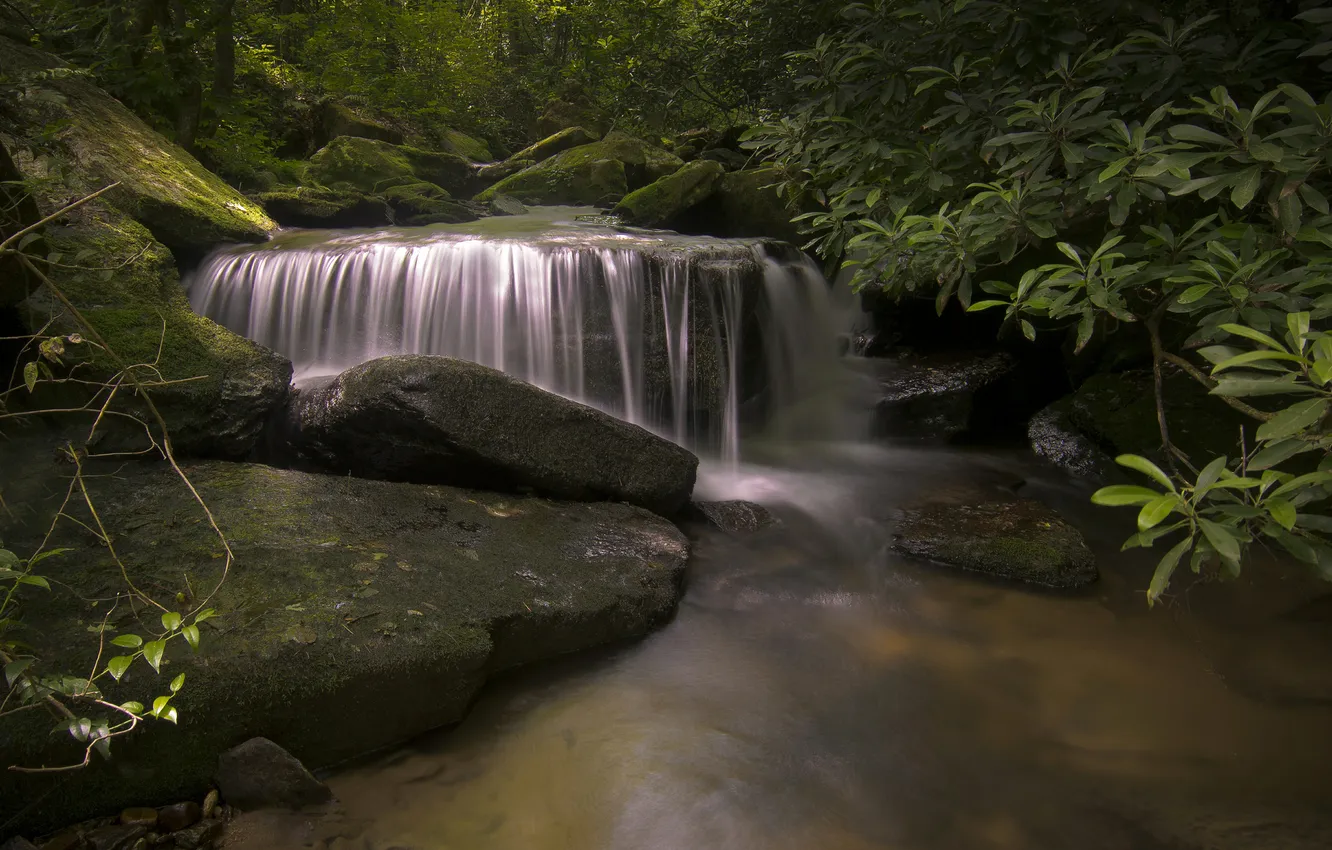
(224, 55)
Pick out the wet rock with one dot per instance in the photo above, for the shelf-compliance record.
(1054, 437)
(334, 118)
(497, 171)
(745, 204)
(431, 419)
(308, 206)
(659, 203)
(17, 843)
(1020, 540)
(199, 836)
(210, 804)
(575, 113)
(259, 774)
(504, 205)
(734, 517)
(179, 816)
(471, 582)
(370, 166)
(69, 839)
(600, 173)
(560, 142)
(933, 396)
(115, 837)
(144, 817)
(729, 159)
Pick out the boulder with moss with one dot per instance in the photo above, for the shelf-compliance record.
(334, 118)
(1020, 540)
(659, 203)
(557, 143)
(460, 144)
(563, 113)
(600, 173)
(184, 206)
(315, 206)
(426, 203)
(373, 166)
(356, 615)
(745, 205)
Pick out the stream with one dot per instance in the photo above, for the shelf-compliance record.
(818, 692)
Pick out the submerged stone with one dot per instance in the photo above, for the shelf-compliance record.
(440, 420)
(1021, 540)
(465, 584)
(734, 517)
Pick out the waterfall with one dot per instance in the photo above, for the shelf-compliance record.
(677, 334)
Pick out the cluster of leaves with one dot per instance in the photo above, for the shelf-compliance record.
(1085, 169)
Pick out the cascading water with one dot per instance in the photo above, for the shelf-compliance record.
(673, 333)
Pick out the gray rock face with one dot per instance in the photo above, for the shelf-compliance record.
(17, 843)
(431, 419)
(1020, 540)
(357, 613)
(1054, 437)
(504, 205)
(932, 396)
(259, 774)
(734, 517)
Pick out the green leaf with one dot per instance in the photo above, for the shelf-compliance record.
(1165, 569)
(177, 683)
(1246, 186)
(171, 621)
(1257, 336)
(1194, 133)
(1293, 420)
(30, 375)
(152, 653)
(985, 305)
(1028, 330)
(132, 707)
(1282, 511)
(191, 634)
(14, 669)
(1221, 539)
(35, 581)
(127, 641)
(118, 665)
(1254, 357)
(159, 705)
(170, 714)
(1154, 512)
(1210, 474)
(1241, 387)
(1124, 494)
(1146, 467)
(1278, 452)
(1193, 293)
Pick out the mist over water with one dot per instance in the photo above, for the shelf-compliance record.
(816, 691)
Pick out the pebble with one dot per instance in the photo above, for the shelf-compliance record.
(210, 804)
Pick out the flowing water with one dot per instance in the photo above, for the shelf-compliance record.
(817, 692)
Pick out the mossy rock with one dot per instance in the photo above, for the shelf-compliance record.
(1118, 412)
(596, 174)
(217, 389)
(658, 203)
(372, 166)
(1020, 540)
(459, 143)
(338, 119)
(504, 205)
(185, 206)
(561, 114)
(497, 171)
(308, 206)
(356, 615)
(558, 143)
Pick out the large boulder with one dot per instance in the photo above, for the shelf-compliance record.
(356, 614)
(437, 419)
(313, 206)
(334, 118)
(746, 204)
(563, 113)
(934, 395)
(259, 774)
(558, 143)
(460, 144)
(215, 390)
(600, 173)
(425, 203)
(183, 205)
(657, 204)
(372, 166)
(1021, 540)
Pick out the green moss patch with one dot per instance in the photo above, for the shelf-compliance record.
(657, 203)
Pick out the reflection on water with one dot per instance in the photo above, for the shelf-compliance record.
(817, 693)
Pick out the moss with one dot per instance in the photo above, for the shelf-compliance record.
(182, 203)
(584, 175)
(372, 166)
(659, 202)
(461, 144)
(307, 206)
(561, 114)
(558, 143)
(1020, 540)
(300, 652)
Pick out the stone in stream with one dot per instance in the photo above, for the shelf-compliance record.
(657, 204)
(178, 816)
(734, 517)
(1054, 437)
(356, 614)
(17, 843)
(259, 774)
(597, 173)
(437, 420)
(1021, 539)
(934, 396)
